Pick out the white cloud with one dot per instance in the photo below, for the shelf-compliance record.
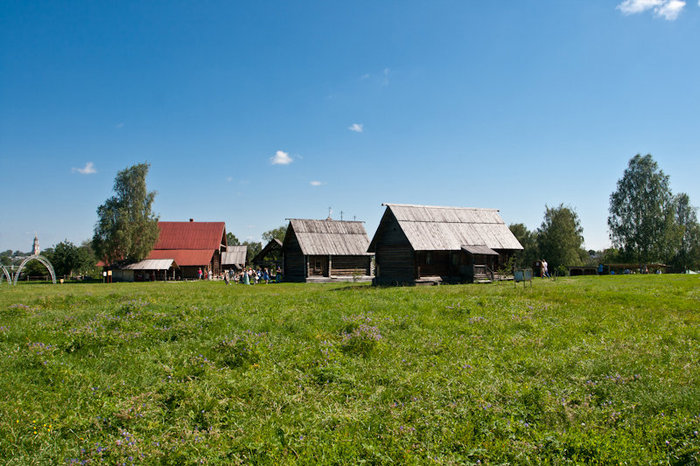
(385, 81)
(281, 158)
(316, 183)
(229, 179)
(119, 125)
(670, 10)
(356, 127)
(88, 169)
(667, 9)
(629, 7)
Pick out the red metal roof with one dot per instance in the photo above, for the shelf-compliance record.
(184, 257)
(190, 235)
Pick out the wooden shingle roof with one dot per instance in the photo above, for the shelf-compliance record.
(435, 228)
(234, 255)
(330, 237)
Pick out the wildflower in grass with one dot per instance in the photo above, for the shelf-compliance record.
(361, 340)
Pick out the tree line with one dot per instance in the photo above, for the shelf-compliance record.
(647, 224)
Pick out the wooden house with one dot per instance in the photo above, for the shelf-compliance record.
(415, 244)
(270, 256)
(192, 245)
(320, 250)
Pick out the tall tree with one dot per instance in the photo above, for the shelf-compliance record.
(277, 233)
(560, 237)
(253, 248)
(687, 229)
(641, 211)
(528, 240)
(126, 228)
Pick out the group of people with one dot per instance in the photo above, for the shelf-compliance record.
(247, 276)
(250, 276)
(544, 269)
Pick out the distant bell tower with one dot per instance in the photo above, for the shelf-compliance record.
(35, 247)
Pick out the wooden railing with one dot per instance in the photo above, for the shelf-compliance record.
(483, 270)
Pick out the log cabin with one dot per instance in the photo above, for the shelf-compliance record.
(323, 250)
(417, 244)
(270, 256)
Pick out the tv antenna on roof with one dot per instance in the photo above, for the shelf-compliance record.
(330, 211)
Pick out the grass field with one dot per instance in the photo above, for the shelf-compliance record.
(595, 369)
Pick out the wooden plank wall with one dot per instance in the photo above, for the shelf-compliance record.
(351, 265)
(294, 260)
(439, 265)
(394, 256)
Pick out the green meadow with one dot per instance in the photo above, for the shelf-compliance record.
(577, 370)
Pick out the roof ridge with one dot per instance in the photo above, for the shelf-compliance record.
(389, 204)
(325, 220)
(185, 221)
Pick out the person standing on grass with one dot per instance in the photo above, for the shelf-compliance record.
(545, 268)
(199, 273)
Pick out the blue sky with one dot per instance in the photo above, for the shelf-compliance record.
(510, 105)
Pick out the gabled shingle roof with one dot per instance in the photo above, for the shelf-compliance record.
(435, 228)
(330, 237)
(234, 255)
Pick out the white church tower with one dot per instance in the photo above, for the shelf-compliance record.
(35, 246)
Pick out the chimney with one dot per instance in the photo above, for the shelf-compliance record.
(191, 220)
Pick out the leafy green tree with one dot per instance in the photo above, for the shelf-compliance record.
(254, 247)
(64, 258)
(126, 229)
(528, 240)
(276, 233)
(87, 262)
(6, 257)
(560, 237)
(231, 239)
(641, 211)
(687, 251)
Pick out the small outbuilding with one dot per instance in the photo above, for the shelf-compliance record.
(234, 258)
(149, 270)
(429, 244)
(323, 250)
